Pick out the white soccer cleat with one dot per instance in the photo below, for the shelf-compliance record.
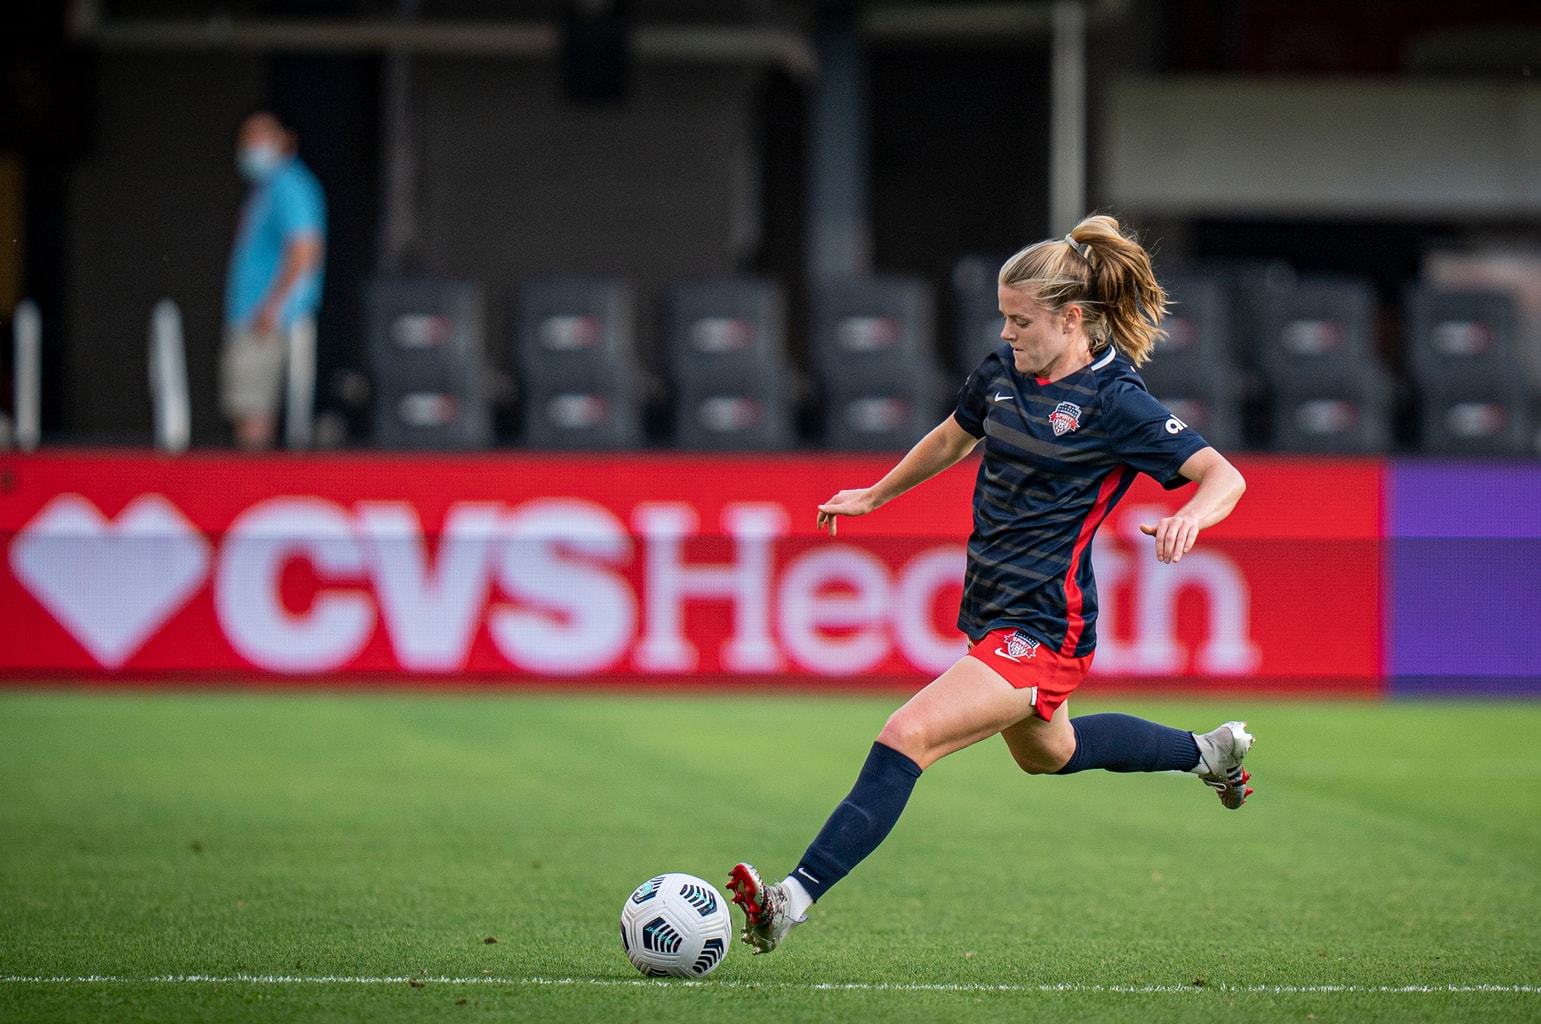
(766, 917)
(1220, 755)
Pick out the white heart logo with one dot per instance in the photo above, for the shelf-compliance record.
(111, 583)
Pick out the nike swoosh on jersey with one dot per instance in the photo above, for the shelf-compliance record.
(1001, 398)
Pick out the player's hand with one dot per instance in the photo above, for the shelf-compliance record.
(265, 320)
(856, 502)
(1175, 537)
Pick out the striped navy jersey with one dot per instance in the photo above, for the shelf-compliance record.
(1057, 457)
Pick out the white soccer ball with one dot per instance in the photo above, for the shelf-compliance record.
(676, 925)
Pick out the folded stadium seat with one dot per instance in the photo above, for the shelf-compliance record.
(1250, 287)
(1343, 415)
(1330, 392)
(977, 308)
(426, 355)
(1472, 393)
(874, 355)
(581, 381)
(726, 350)
(1192, 371)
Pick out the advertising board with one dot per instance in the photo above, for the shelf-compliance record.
(626, 569)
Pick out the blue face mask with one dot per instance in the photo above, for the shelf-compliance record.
(257, 163)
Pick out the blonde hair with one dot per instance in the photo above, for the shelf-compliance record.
(1104, 271)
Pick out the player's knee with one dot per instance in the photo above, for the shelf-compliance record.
(906, 734)
(1042, 759)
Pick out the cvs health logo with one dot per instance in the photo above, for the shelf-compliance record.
(552, 586)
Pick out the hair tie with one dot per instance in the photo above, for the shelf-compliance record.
(1081, 248)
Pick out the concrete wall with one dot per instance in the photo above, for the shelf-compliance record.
(1323, 147)
(515, 181)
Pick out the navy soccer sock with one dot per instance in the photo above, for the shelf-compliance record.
(862, 820)
(1123, 743)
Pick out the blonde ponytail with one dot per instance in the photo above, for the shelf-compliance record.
(1105, 271)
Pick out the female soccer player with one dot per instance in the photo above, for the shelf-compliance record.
(1066, 424)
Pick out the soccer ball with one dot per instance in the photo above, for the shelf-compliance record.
(676, 925)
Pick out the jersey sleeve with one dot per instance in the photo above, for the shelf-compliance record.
(1145, 435)
(972, 400)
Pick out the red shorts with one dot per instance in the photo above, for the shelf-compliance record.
(1027, 663)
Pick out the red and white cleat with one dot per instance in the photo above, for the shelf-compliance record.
(766, 917)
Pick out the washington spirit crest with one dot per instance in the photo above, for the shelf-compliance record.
(1018, 646)
(1065, 418)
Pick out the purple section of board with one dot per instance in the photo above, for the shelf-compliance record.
(1463, 576)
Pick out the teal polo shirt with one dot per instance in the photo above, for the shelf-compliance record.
(289, 205)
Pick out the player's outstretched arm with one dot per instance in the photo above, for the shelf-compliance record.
(944, 446)
(1220, 488)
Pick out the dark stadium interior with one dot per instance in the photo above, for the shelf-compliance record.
(590, 154)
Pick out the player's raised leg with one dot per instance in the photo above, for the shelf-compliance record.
(1124, 743)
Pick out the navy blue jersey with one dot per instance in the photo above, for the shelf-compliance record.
(1057, 457)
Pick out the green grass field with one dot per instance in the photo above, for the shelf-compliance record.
(286, 856)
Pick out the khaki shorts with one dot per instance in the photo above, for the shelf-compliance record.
(251, 372)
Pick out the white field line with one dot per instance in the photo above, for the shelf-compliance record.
(847, 986)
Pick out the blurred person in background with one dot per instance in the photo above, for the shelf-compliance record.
(274, 277)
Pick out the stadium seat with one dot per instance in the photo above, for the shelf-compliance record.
(1330, 392)
(1192, 370)
(874, 354)
(1198, 324)
(1472, 393)
(976, 302)
(426, 348)
(1491, 419)
(1349, 414)
(581, 382)
(725, 345)
(1322, 324)
(1249, 287)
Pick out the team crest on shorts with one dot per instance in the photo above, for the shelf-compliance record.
(1065, 418)
(1018, 646)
